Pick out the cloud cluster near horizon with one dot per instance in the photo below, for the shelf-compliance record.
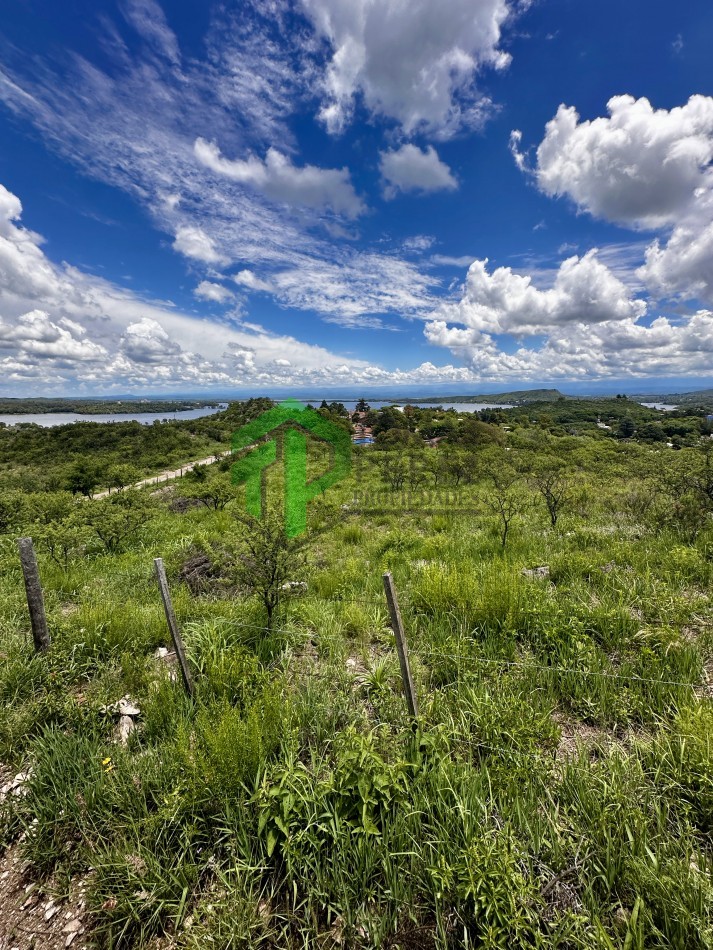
(640, 168)
(61, 328)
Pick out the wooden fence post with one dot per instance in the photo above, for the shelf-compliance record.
(35, 598)
(173, 625)
(401, 645)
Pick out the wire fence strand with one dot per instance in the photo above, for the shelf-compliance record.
(527, 664)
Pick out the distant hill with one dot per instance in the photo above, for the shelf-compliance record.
(699, 397)
(515, 398)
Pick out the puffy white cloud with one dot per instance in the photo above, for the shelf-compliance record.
(639, 167)
(414, 62)
(613, 350)
(584, 291)
(684, 265)
(148, 342)
(280, 180)
(246, 278)
(642, 168)
(35, 336)
(584, 326)
(411, 169)
(193, 242)
(10, 209)
(216, 293)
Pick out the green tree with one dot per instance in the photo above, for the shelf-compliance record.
(458, 465)
(555, 487)
(472, 433)
(390, 418)
(83, 479)
(64, 540)
(503, 495)
(117, 518)
(266, 561)
(398, 439)
(627, 426)
(13, 510)
(121, 476)
(215, 492)
(198, 473)
(394, 469)
(651, 432)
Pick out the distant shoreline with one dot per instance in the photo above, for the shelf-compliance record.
(99, 407)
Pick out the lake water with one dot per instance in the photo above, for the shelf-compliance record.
(48, 419)
(659, 405)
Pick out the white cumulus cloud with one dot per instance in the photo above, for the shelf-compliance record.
(414, 61)
(410, 168)
(215, 293)
(585, 326)
(148, 342)
(193, 242)
(584, 291)
(35, 336)
(640, 166)
(282, 181)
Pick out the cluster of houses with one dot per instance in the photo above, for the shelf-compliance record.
(362, 431)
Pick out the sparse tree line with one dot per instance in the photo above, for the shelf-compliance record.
(509, 475)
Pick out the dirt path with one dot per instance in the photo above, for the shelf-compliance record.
(167, 476)
(30, 917)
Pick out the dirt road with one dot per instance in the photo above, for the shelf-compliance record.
(167, 476)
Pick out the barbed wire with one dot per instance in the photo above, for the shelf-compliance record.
(527, 664)
(420, 653)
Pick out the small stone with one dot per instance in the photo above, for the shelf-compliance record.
(123, 707)
(124, 729)
(537, 572)
(74, 926)
(51, 911)
(127, 708)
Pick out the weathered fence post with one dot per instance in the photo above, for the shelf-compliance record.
(173, 625)
(35, 599)
(401, 645)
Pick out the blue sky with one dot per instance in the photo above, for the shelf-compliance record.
(356, 195)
